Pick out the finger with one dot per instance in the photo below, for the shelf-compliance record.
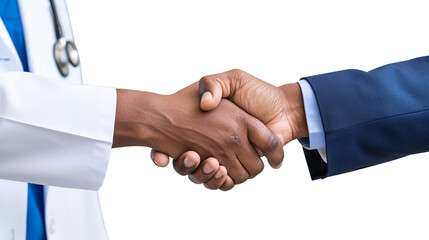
(266, 141)
(193, 179)
(211, 91)
(250, 160)
(186, 163)
(238, 172)
(259, 151)
(160, 159)
(228, 184)
(217, 180)
(205, 171)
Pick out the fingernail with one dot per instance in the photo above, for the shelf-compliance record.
(153, 159)
(208, 169)
(188, 162)
(206, 96)
(219, 174)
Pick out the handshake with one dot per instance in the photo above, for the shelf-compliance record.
(217, 129)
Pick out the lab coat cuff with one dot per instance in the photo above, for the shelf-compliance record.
(101, 151)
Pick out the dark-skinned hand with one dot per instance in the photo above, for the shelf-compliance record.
(175, 124)
(281, 109)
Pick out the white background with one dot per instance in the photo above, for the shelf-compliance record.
(162, 46)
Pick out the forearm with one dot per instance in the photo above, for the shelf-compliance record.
(373, 117)
(134, 118)
(294, 108)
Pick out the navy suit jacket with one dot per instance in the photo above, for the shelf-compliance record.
(371, 117)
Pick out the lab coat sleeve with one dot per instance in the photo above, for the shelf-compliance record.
(53, 133)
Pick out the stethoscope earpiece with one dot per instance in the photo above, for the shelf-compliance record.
(65, 52)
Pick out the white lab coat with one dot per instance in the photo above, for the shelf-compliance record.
(53, 131)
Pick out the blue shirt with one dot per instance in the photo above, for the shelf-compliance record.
(316, 135)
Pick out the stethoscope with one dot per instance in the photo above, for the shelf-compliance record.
(65, 52)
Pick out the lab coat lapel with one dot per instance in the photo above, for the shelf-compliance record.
(39, 33)
(13, 195)
(13, 209)
(9, 59)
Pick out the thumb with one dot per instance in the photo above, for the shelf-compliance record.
(212, 89)
(265, 142)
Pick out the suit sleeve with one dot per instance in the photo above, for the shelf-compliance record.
(53, 133)
(371, 117)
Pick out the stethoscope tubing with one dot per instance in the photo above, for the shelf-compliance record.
(58, 29)
(64, 51)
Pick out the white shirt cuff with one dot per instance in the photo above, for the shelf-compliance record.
(316, 134)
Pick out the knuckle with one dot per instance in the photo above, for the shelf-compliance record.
(258, 169)
(239, 75)
(179, 168)
(227, 189)
(210, 186)
(223, 157)
(227, 186)
(271, 143)
(204, 79)
(193, 179)
(203, 84)
(235, 140)
(236, 71)
(241, 117)
(242, 177)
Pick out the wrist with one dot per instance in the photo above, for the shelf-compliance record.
(133, 122)
(294, 109)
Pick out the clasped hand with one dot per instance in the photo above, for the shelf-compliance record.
(217, 129)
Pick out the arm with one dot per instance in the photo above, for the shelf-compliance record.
(371, 117)
(59, 134)
(54, 133)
